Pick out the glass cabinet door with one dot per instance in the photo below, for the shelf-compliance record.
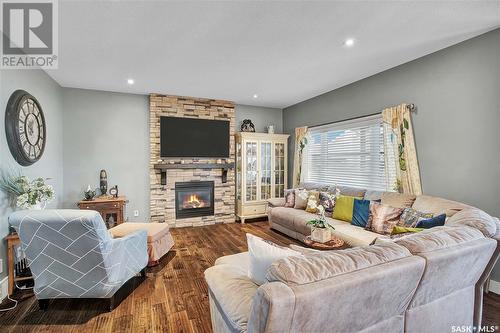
(265, 170)
(279, 169)
(250, 170)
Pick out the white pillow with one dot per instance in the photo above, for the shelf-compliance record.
(262, 254)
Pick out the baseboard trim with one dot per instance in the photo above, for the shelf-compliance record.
(4, 287)
(495, 287)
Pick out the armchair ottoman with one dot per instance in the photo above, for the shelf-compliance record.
(159, 239)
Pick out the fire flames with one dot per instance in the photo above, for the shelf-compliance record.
(192, 201)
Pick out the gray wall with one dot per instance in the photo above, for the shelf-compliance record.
(50, 165)
(261, 117)
(457, 124)
(104, 130)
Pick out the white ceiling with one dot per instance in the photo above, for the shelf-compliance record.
(285, 52)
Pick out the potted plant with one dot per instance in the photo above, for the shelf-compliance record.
(29, 194)
(320, 229)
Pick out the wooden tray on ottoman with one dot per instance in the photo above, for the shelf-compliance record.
(334, 244)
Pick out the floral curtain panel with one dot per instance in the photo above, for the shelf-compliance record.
(300, 145)
(399, 141)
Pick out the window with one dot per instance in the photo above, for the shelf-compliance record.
(350, 153)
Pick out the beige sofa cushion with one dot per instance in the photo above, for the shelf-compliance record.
(475, 218)
(439, 238)
(373, 195)
(313, 186)
(353, 235)
(314, 267)
(276, 202)
(294, 219)
(352, 191)
(398, 200)
(437, 206)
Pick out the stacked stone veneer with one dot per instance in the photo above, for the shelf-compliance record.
(162, 197)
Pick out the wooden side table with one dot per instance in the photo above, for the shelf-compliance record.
(13, 241)
(111, 209)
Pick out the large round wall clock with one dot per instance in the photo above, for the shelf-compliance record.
(25, 128)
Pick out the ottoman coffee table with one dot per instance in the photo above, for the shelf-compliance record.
(160, 240)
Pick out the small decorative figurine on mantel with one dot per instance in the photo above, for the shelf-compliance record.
(114, 191)
(103, 182)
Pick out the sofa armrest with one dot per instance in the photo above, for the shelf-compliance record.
(128, 256)
(276, 202)
(272, 308)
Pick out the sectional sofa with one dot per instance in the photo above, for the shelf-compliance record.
(426, 282)
(292, 222)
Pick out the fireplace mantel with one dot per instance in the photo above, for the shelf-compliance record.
(169, 166)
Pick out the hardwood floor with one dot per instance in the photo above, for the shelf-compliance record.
(173, 297)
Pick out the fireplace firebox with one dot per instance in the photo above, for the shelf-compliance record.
(194, 199)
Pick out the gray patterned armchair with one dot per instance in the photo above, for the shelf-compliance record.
(72, 255)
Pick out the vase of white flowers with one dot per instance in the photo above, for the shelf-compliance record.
(320, 229)
(29, 194)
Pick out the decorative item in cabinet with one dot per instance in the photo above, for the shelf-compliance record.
(111, 209)
(261, 172)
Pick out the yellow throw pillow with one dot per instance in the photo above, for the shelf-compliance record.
(343, 208)
(312, 201)
(401, 230)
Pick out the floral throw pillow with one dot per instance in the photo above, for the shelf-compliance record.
(290, 198)
(312, 202)
(410, 217)
(327, 200)
(383, 218)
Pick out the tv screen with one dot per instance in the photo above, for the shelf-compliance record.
(187, 137)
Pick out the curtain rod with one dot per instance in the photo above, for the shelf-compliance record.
(411, 107)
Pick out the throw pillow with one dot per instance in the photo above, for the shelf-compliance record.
(301, 196)
(360, 212)
(327, 200)
(343, 208)
(403, 230)
(262, 254)
(383, 218)
(312, 201)
(290, 198)
(411, 217)
(435, 221)
(398, 200)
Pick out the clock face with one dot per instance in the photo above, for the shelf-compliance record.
(25, 128)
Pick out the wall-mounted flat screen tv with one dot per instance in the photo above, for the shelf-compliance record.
(188, 137)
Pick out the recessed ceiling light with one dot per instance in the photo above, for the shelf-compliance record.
(255, 96)
(130, 81)
(349, 42)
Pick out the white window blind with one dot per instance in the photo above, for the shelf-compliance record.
(350, 153)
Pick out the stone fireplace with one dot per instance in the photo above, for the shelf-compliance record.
(179, 194)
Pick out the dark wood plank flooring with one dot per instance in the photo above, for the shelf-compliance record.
(173, 297)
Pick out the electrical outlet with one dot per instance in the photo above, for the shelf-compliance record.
(136, 213)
